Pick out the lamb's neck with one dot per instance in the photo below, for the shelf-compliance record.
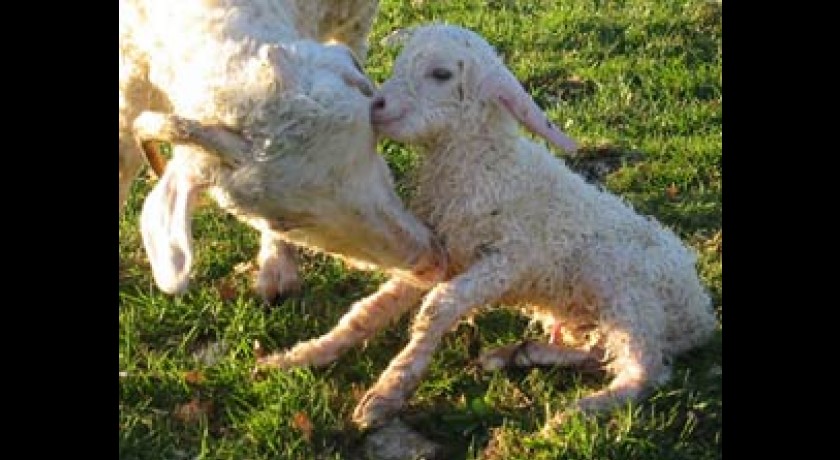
(468, 145)
(457, 166)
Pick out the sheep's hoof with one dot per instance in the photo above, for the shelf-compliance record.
(276, 293)
(274, 286)
(374, 410)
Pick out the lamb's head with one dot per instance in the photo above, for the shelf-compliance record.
(306, 164)
(449, 78)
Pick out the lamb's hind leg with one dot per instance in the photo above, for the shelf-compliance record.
(482, 283)
(364, 319)
(530, 353)
(633, 342)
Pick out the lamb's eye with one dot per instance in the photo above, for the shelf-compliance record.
(441, 74)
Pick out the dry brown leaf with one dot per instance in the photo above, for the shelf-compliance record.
(194, 377)
(301, 422)
(672, 191)
(192, 411)
(227, 290)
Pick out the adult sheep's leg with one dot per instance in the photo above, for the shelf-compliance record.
(364, 319)
(484, 282)
(278, 273)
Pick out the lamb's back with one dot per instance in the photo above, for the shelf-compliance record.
(525, 201)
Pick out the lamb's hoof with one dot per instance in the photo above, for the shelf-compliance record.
(274, 361)
(498, 358)
(374, 410)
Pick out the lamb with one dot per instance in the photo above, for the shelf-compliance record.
(273, 123)
(521, 229)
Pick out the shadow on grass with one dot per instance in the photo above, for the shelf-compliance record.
(595, 163)
(685, 210)
(680, 420)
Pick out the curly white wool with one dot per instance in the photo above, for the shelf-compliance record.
(259, 68)
(520, 229)
(570, 252)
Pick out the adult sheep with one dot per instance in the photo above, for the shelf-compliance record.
(269, 120)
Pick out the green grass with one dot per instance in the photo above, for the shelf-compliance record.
(640, 76)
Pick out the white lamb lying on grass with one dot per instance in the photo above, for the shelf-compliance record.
(520, 229)
(274, 123)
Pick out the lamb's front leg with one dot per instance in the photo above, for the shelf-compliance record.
(482, 283)
(365, 318)
(278, 273)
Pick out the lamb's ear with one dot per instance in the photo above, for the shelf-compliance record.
(503, 87)
(166, 230)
